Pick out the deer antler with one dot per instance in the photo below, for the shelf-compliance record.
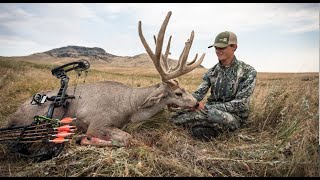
(182, 67)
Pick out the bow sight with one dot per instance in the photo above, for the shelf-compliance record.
(35, 140)
(62, 96)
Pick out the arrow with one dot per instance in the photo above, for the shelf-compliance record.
(67, 120)
(39, 132)
(65, 128)
(58, 140)
(62, 134)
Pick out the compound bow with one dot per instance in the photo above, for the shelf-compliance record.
(36, 139)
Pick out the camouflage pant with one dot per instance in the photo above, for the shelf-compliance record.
(206, 123)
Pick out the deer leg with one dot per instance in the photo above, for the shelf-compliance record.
(111, 136)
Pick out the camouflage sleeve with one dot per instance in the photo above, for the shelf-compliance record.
(203, 88)
(241, 101)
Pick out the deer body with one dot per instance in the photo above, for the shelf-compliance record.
(103, 108)
(105, 104)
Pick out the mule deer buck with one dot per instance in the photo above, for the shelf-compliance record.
(104, 108)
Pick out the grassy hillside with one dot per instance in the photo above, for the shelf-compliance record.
(281, 137)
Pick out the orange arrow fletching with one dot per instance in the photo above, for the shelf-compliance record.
(59, 140)
(67, 120)
(65, 128)
(63, 134)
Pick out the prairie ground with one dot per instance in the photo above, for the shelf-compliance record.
(280, 138)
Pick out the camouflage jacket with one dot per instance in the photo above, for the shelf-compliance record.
(231, 87)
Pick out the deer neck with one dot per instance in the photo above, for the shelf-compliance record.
(138, 97)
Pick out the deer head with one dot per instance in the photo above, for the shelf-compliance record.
(177, 95)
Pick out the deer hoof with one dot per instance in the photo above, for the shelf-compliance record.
(95, 141)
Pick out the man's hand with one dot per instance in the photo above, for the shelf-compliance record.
(199, 106)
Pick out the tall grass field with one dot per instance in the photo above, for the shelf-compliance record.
(280, 138)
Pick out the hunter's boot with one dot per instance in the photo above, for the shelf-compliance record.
(205, 132)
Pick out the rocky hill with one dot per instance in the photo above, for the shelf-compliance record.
(78, 51)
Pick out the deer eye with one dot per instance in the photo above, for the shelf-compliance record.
(178, 94)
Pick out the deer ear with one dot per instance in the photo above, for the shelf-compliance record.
(154, 98)
(151, 101)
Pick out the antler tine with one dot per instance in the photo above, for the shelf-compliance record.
(144, 42)
(185, 50)
(161, 35)
(165, 56)
(179, 62)
(155, 57)
(194, 60)
(155, 39)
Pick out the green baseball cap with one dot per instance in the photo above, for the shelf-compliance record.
(224, 39)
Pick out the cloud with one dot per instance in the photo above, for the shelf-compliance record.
(14, 41)
(243, 16)
(114, 26)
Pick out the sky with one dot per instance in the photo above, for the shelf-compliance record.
(272, 37)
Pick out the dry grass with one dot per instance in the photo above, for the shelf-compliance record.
(281, 137)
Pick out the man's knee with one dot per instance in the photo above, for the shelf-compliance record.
(225, 119)
(188, 117)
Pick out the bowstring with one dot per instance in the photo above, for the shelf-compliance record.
(75, 87)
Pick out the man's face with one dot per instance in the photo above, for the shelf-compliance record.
(226, 53)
